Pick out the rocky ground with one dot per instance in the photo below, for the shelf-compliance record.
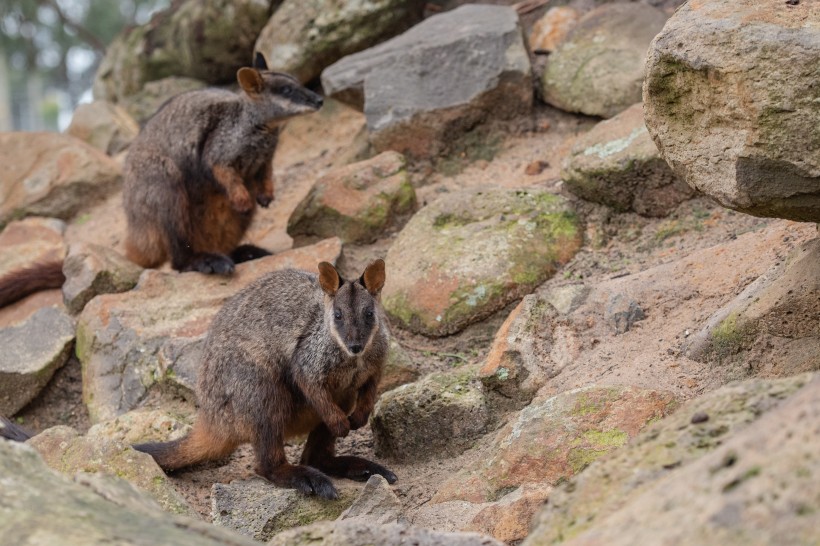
(589, 346)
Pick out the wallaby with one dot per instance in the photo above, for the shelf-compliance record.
(197, 169)
(293, 353)
(12, 431)
(193, 177)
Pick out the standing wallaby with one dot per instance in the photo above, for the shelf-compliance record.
(291, 354)
(197, 169)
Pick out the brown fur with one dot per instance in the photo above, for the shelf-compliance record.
(19, 284)
(292, 354)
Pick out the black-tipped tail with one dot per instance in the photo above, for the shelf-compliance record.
(12, 431)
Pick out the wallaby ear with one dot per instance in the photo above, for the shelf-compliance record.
(373, 277)
(329, 279)
(250, 80)
(259, 61)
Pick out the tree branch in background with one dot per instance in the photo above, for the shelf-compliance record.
(83, 33)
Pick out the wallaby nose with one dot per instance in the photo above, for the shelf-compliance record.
(355, 348)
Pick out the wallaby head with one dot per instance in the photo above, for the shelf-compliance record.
(351, 307)
(277, 95)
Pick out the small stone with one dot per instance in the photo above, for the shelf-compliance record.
(699, 417)
(536, 167)
(376, 503)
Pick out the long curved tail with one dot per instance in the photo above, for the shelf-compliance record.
(12, 431)
(19, 284)
(198, 446)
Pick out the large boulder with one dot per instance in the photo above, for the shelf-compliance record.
(357, 533)
(302, 38)
(694, 430)
(757, 487)
(442, 77)
(49, 174)
(617, 164)
(205, 40)
(470, 253)
(358, 202)
(129, 343)
(103, 125)
(41, 506)
(555, 438)
(145, 102)
(598, 69)
(64, 450)
(731, 101)
(449, 403)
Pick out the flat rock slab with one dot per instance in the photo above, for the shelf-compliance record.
(41, 506)
(438, 79)
(302, 38)
(617, 164)
(731, 101)
(470, 253)
(259, 509)
(50, 174)
(598, 69)
(122, 338)
(355, 533)
(357, 203)
(555, 438)
(32, 351)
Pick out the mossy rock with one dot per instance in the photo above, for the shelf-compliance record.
(469, 254)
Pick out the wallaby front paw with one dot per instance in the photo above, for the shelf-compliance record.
(339, 427)
(211, 264)
(241, 201)
(357, 420)
(264, 200)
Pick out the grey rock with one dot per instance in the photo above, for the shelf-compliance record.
(449, 403)
(304, 37)
(376, 503)
(731, 101)
(88, 511)
(618, 165)
(259, 509)
(464, 67)
(32, 351)
(145, 102)
(103, 125)
(355, 533)
(598, 69)
(622, 313)
(91, 270)
(140, 426)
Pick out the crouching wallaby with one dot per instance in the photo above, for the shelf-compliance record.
(291, 354)
(197, 169)
(193, 177)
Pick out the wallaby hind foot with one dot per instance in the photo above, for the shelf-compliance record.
(246, 253)
(304, 479)
(320, 451)
(207, 263)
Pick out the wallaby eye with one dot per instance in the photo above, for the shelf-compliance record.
(337, 314)
(369, 313)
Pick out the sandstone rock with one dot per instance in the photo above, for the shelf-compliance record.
(399, 368)
(91, 270)
(121, 336)
(27, 242)
(140, 426)
(555, 438)
(464, 67)
(358, 202)
(145, 102)
(354, 533)
(376, 503)
(449, 403)
(756, 488)
(92, 510)
(32, 351)
(49, 174)
(551, 29)
(779, 311)
(532, 346)
(64, 450)
(208, 41)
(103, 125)
(622, 313)
(618, 165)
(731, 101)
(598, 69)
(259, 509)
(302, 38)
(470, 253)
(508, 519)
(610, 483)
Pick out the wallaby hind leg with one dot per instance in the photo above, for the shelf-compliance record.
(320, 452)
(273, 465)
(246, 253)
